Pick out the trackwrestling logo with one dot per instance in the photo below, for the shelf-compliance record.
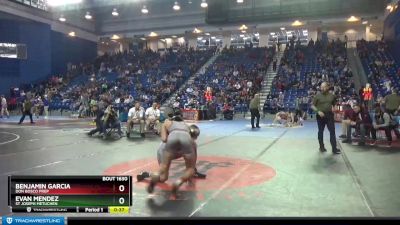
(33, 220)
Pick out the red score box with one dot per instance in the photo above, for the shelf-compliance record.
(69, 186)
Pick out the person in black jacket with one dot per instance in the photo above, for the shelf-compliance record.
(99, 120)
(26, 110)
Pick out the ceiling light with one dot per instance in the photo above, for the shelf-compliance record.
(115, 37)
(282, 28)
(88, 16)
(243, 27)
(174, 36)
(62, 18)
(197, 31)
(189, 2)
(272, 33)
(115, 12)
(242, 35)
(213, 37)
(153, 34)
(365, 22)
(239, 1)
(176, 6)
(71, 34)
(243, 31)
(143, 39)
(217, 40)
(390, 8)
(208, 34)
(352, 19)
(145, 10)
(200, 38)
(204, 4)
(297, 23)
(62, 2)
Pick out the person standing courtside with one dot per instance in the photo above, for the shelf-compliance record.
(322, 105)
(26, 110)
(3, 104)
(254, 110)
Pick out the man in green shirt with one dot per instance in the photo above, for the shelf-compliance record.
(322, 105)
(254, 110)
(26, 110)
(392, 102)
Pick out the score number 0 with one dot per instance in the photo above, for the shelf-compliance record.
(121, 200)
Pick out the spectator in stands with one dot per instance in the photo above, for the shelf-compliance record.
(3, 105)
(152, 115)
(322, 105)
(136, 116)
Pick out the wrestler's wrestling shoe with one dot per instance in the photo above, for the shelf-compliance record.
(199, 175)
(175, 187)
(150, 188)
(142, 176)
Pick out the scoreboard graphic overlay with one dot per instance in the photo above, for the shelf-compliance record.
(75, 194)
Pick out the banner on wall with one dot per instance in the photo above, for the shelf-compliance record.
(13, 51)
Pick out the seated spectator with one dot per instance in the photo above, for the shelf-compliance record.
(366, 126)
(136, 116)
(227, 111)
(152, 116)
(384, 121)
(352, 119)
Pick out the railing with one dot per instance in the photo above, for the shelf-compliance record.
(284, 9)
(38, 4)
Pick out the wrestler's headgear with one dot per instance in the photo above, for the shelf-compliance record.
(178, 116)
(194, 131)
